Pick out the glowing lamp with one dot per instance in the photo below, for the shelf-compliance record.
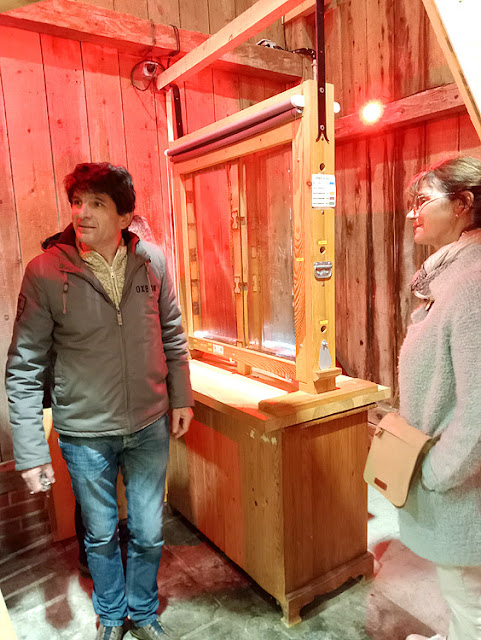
(372, 112)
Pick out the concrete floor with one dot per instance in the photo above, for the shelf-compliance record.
(205, 597)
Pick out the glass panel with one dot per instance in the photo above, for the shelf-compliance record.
(216, 305)
(270, 297)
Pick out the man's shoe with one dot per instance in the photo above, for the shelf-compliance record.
(110, 633)
(416, 636)
(152, 631)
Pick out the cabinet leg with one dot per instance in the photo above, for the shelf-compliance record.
(291, 613)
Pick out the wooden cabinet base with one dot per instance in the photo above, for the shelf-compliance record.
(283, 498)
(362, 566)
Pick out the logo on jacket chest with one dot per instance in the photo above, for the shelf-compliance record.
(146, 288)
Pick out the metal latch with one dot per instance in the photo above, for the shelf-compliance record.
(322, 270)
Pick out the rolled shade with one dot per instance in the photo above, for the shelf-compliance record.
(236, 131)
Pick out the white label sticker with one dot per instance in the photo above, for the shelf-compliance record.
(323, 191)
(218, 349)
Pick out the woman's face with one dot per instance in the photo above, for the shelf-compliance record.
(434, 217)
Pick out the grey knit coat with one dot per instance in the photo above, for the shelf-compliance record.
(440, 387)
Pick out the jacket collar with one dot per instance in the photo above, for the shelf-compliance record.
(64, 242)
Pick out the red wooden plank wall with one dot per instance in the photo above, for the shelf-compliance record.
(377, 49)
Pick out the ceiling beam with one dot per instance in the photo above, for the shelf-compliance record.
(86, 23)
(426, 105)
(456, 25)
(257, 17)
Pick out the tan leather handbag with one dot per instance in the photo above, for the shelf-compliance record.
(395, 456)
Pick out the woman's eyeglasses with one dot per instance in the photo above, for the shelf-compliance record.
(421, 201)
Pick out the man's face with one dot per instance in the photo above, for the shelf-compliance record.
(96, 222)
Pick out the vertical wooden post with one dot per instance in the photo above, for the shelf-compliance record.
(319, 244)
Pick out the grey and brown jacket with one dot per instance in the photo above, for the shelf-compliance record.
(115, 371)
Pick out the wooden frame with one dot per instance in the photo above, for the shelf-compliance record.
(312, 241)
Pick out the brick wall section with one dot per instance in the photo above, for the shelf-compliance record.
(23, 518)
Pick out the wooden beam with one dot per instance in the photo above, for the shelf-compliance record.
(456, 26)
(427, 105)
(307, 8)
(249, 23)
(86, 23)
(7, 5)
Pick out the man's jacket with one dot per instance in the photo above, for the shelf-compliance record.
(114, 370)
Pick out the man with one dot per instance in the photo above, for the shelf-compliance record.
(98, 307)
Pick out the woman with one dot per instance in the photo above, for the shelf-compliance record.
(440, 386)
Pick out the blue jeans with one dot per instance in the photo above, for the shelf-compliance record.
(93, 464)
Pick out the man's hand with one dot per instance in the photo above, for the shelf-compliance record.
(180, 421)
(39, 479)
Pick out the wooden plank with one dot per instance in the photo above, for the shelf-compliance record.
(220, 13)
(137, 8)
(332, 456)
(199, 101)
(426, 105)
(282, 368)
(410, 45)
(263, 512)
(67, 112)
(353, 54)
(442, 139)
(162, 12)
(469, 143)
(143, 158)
(455, 25)
(306, 8)
(383, 297)
(226, 93)
(10, 272)
(283, 405)
(105, 4)
(236, 222)
(8, 5)
(380, 52)
(194, 15)
(410, 159)
(319, 242)
(165, 214)
(264, 12)
(351, 275)
(438, 71)
(250, 93)
(28, 133)
(274, 31)
(104, 104)
(64, 18)
(333, 45)
(61, 503)
(303, 347)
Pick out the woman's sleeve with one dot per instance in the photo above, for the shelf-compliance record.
(456, 457)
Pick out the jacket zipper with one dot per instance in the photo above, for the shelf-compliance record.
(127, 286)
(120, 323)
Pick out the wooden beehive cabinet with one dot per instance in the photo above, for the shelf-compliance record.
(248, 239)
